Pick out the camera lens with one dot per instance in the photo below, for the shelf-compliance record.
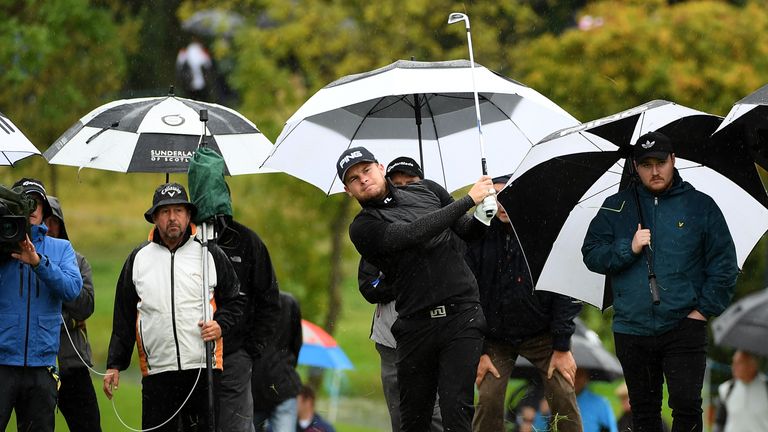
(8, 229)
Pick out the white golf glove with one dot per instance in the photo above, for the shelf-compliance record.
(486, 210)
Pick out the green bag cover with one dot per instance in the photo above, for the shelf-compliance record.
(207, 189)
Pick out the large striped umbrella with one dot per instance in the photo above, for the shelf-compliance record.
(14, 146)
(159, 134)
(320, 349)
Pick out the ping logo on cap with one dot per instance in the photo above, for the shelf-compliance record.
(35, 184)
(354, 155)
(170, 190)
(648, 144)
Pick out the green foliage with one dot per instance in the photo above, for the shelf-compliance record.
(58, 60)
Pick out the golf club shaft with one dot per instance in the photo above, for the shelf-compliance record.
(483, 163)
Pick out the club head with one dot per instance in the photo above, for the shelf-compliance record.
(455, 17)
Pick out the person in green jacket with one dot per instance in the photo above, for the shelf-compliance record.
(694, 260)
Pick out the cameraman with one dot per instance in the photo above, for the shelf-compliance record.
(34, 282)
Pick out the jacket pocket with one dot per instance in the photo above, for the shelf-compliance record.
(10, 330)
(48, 335)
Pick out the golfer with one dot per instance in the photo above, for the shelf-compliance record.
(417, 240)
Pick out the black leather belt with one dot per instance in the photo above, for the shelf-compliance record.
(442, 311)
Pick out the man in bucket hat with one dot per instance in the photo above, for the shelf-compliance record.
(414, 237)
(34, 281)
(695, 266)
(159, 308)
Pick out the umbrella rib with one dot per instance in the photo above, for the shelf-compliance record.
(437, 139)
(352, 137)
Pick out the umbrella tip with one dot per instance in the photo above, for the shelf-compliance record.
(171, 91)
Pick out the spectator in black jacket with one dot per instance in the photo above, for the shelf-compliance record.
(274, 381)
(535, 324)
(246, 341)
(415, 239)
(77, 397)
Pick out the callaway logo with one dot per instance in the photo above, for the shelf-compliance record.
(354, 155)
(36, 184)
(648, 144)
(170, 190)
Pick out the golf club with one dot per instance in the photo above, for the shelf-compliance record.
(455, 17)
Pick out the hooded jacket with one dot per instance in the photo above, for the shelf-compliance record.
(31, 298)
(415, 238)
(158, 305)
(693, 254)
(514, 312)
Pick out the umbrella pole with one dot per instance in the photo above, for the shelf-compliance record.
(205, 226)
(452, 18)
(417, 116)
(634, 184)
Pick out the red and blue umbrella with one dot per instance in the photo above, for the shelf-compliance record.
(320, 349)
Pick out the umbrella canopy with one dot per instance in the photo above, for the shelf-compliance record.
(588, 353)
(159, 135)
(744, 325)
(747, 123)
(14, 146)
(320, 349)
(551, 230)
(213, 22)
(424, 110)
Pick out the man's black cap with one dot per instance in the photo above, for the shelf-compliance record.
(351, 157)
(167, 194)
(652, 145)
(405, 165)
(34, 186)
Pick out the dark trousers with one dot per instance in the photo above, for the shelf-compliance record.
(77, 401)
(679, 356)
(163, 394)
(440, 356)
(392, 390)
(31, 391)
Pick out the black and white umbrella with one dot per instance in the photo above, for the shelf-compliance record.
(213, 22)
(744, 324)
(159, 134)
(14, 146)
(560, 194)
(747, 123)
(424, 110)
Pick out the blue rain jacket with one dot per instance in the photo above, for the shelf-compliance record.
(30, 301)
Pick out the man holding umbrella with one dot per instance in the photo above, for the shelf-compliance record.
(159, 307)
(535, 324)
(693, 254)
(415, 238)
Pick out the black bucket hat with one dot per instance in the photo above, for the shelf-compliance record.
(167, 194)
(28, 186)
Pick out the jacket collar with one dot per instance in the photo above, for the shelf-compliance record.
(389, 200)
(38, 232)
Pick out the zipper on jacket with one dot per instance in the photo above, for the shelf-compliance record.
(29, 306)
(173, 312)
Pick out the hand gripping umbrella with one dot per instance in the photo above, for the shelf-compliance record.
(562, 192)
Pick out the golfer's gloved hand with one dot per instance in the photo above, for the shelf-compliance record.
(486, 210)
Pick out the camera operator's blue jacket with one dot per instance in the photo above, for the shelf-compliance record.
(31, 298)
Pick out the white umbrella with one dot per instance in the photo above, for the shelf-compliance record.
(159, 134)
(14, 146)
(424, 110)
